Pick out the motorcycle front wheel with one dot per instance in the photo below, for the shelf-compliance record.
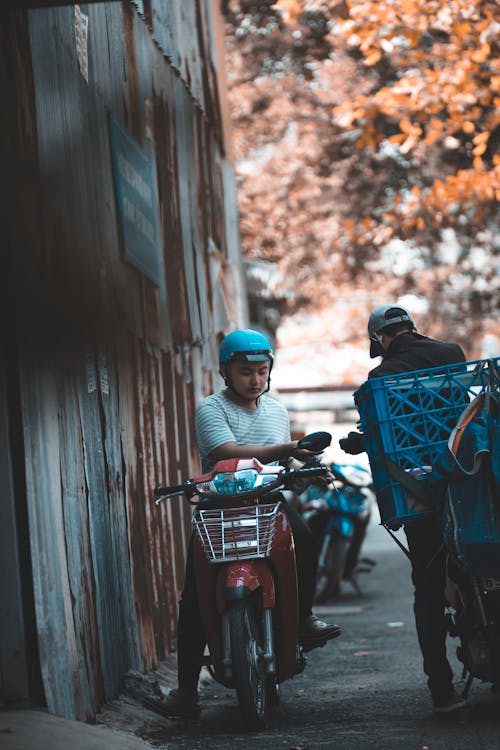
(249, 677)
(331, 568)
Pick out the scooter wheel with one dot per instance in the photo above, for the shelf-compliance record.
(247, 656)
(330, 573)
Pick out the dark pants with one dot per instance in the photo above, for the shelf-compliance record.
(429, 575)
(190, 635)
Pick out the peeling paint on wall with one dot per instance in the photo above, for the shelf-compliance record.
(111, 365)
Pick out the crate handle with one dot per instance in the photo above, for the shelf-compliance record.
(415, 487)
(493, 375)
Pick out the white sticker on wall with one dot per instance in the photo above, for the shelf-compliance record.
(103, 373)
(91, 372)
(81, 33)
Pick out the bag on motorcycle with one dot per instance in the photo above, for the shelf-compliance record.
(471, 507)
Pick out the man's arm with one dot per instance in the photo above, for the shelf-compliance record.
(264, 453)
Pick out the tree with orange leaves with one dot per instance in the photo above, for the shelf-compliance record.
(444, 90)
(362, 127)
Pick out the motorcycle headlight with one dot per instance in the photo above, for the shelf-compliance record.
(236, 482)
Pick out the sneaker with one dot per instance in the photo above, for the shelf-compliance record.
(312, 629)
(178, 704)
(451, 703)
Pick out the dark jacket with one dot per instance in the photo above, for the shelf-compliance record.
(407, 352)
(412, 351)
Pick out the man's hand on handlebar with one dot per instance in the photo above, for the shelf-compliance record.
(354, 443)
(308, 458)
(305, 456)
(324, 480)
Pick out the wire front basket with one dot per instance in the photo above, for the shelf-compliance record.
(236, 533)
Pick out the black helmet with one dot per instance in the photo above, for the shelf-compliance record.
(382, 317)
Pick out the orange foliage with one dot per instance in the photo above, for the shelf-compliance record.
(364, 122)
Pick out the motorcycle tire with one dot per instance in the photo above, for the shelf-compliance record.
(330, 574)
(249, 677)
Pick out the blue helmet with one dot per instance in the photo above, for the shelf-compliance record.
(245, 344)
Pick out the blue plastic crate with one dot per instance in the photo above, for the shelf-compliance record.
(409, 418)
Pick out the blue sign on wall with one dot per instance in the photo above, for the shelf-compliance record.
(134, 180)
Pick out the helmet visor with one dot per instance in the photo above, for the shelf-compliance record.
(376, 348)
(252, 356)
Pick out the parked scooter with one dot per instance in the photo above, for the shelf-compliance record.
(474, 618)
(471, 531)
(246, 575)
(338, 518)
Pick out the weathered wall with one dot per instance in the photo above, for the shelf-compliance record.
(111, 365)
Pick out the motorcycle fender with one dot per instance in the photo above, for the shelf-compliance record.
(283, 561)
(347, 527)
(344, 526)
(238, 580)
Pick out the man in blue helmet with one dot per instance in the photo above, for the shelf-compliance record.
(242, 421)
(393, 337)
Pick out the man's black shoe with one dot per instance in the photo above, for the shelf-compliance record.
(312, 630)
(178, 704)
(452, 702)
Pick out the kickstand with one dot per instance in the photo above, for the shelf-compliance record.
(354, 583)
(466, 689)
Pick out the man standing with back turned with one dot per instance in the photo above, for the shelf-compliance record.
(393, 337)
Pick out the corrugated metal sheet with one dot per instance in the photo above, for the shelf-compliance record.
(111, 365)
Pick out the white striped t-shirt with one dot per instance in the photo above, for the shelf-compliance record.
(219, 420)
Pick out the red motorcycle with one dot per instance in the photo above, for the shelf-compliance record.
(246, 575)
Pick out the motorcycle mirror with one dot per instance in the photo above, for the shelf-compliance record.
(315, 441)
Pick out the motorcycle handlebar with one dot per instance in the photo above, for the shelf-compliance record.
(309, 471)
(161, 493)
(173, 489)
(188, 488)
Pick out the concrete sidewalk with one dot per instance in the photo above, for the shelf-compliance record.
(27, 729)
(122, 724)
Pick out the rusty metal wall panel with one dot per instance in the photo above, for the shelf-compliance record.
(152, 453)
(69, 126)
(177, 317)
(72, 130)
(185, 144)
(74, 149)
(176, 30)
(74, 489)
(168, 32)
(14, 677)
(236, 277)
(108, 532)
(64, 674)
(109, 564)
(112, 371)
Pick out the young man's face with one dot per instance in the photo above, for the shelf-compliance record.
(249, 379)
